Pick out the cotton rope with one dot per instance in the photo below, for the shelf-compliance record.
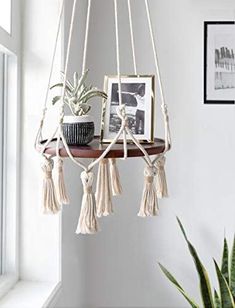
(87, 220)
(164, 105)
(104, 204)
(86, 37)
(39, 133)
(87, 223)
(132, 36)
(149, 203)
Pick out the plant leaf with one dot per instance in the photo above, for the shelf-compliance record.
(217, 300)
(177, 285)
(93, 93)
(225, 293)
(225, 261)
(55, 99)
(81, 82)
(232, 270)
(61, 86)
(205, 285)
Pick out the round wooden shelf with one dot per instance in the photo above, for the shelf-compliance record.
(95, 149)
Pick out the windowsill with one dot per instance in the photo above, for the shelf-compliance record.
(29, 294)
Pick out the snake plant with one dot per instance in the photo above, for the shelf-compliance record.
(225, 298)
(77, 94)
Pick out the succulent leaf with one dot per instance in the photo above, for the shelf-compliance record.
(178, 286)
(217, 300)
(205, 285)
(225, 261)
(232, 270)
(225, 293)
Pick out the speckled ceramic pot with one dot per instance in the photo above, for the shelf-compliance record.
(78, 130)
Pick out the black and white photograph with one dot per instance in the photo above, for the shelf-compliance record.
(219, 74)
(137, 94)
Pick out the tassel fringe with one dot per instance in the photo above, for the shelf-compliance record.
(149, 204)
(162, 190)
(103, 192)
(50, 203)
(60, 183)
(87, 223)
(115, 177)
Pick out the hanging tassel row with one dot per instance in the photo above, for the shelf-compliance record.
(60, 183)
(50, 202)
(87, 223)
(162, 191)
(115, 177)
(103, 191)
(149, 203)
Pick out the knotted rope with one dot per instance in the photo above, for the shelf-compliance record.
(87, 223)
(149, 204)
(50, 203)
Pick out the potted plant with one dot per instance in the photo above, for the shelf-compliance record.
(78, 128)
(225, 298)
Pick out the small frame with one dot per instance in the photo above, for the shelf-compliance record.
(138, 96)
(219, 62)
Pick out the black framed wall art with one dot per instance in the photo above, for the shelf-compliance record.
(219, 62)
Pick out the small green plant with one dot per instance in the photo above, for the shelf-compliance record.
(77, 94)
(226, 278)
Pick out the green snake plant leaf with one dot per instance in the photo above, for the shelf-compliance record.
(225, 293)
(232, 270)
(177, 285)
(217, 300)
(205, 285)
(225, 261)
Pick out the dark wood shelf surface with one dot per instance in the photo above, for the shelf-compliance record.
(95, 149)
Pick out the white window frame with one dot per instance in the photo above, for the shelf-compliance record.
(10, 46)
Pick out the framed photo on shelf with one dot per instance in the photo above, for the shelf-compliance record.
(219, 62)
(138, 96)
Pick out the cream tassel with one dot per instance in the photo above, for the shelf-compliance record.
(87, 223)
(60, 184)
(149, 204)
(50, 203)
(103, 192)
(162, 191)
(115, 177)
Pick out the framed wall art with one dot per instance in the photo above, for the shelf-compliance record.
(138, 96)
(219, 62)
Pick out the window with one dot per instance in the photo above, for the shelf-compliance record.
(5, 15)
(2, 112)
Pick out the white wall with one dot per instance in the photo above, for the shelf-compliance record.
(118, 267)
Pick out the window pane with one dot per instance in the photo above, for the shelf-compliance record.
(5, 15)
(1, 153)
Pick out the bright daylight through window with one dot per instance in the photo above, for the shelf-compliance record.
(5, 15)
(2, 156)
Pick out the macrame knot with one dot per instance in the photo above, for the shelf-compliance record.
(149, 203)
(162, 190)
(121, 112)
(50, 203)
(87, 223)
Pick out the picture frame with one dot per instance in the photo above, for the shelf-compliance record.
(219, 62)
(138, 94)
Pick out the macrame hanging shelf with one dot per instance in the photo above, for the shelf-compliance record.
(55, 148)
